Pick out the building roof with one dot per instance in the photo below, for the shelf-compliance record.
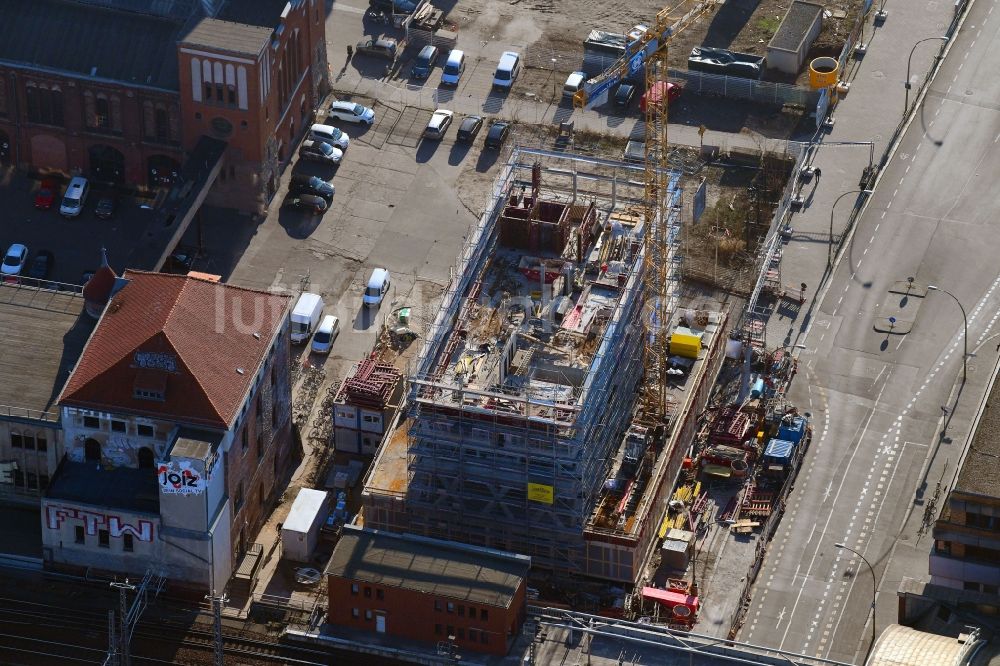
(90, 483)
(228, 36)
(302, 516)
(266, 13)
(442, 568)
(903, 646)
(795, 26)
(44, 333)
(197, 344)
(89, 41)
(977, 475)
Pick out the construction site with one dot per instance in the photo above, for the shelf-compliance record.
(566, 406)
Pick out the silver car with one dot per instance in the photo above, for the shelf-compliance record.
(351, 113)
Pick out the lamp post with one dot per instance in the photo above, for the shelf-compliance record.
(844, 546)
(829, 249)
(965, 335)
(906, 84)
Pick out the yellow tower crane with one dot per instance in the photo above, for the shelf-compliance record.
(649, 47)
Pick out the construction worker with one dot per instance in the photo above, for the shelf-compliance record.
(350, 52)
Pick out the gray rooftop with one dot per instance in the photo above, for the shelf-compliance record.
(44, 333)
(195, 444)
(118, 488)
(796, 25)
(90, 41)
(228, 36)
(266, 13)
(442, 568)
(978, 474)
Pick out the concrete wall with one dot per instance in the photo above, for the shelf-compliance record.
(118, 448)
(36, 466)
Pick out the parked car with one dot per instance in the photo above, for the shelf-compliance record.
(655, 94)
(306, 184)
(46, 194)
(329, 134)
(573, 83)
(453, 68)
(320, 151)
(75, 197)
(382, 47)
(326, 333)
(41, 265)
(469, 128)
(377, 288)
(425, 62)
(497, 134)
(14, 261)
(438, 124)
(624, 95)
(106, 207)
(507, 70)
(352, 113)
(308, 202)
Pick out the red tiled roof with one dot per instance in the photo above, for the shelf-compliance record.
(205, 330)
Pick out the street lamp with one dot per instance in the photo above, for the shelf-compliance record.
(844, 546)
(829, 249)
(906, 84)
(965, 336)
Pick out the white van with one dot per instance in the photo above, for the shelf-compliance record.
(325, 335)
(330, 134)
(507, 70)
(75, 197)
(452, 72)
(305, 316)
(573, 83)
(377, 288)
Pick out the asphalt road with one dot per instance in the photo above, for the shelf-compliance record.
(875, 391)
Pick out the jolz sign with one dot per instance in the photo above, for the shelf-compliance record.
(179, 478)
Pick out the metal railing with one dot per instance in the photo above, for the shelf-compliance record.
(735, 87)
(12, 412)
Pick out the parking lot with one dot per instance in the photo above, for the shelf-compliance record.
(74, 242)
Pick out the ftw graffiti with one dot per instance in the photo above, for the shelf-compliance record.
(92, 521)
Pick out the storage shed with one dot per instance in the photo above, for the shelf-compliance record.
(788, 48)
(300, 532)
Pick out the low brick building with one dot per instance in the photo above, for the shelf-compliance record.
(425, 589)
(177, 423)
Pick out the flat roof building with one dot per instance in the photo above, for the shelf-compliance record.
(44, 332)
(425, 589)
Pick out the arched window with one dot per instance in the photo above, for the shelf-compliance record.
(92, 450)
(145, 456)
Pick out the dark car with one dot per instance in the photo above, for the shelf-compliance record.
(469, 129)
(383, 47)
(425, 62)
(106, 207)
(180, 261)
(46, 194)
(497, 134)
(41, 265)
(305, 184)
(308, 202)
(624, 95)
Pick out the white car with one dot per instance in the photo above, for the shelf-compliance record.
(439, 124)
(14, 260)
(352, 113)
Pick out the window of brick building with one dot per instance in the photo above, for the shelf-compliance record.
(484, 614)
(16, 441)
(484, 638)
(355, 613)
(437, 605)
(380, 594)
(41, 443)
(239, 496)
(451, 609)
(368, 614)
(461, 611)
(91, 422)
(79, 536)
(28, 442)
(145, 430)
(245, 438)
(44, 103)
(128, 543)
(103, 538)
(354, 588)
(473, 635)
(32, 481)
(118, 426)
(368, 592)
(438, 629)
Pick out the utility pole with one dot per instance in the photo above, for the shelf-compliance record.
(217, 602)
(124, 658)
(112, 658)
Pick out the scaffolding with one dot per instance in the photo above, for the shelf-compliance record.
(528, 377)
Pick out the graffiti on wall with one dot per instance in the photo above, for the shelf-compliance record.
(179, 477)
(93, 521)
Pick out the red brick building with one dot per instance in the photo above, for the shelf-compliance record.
(429, 590)
(178, 433)
(121, 90)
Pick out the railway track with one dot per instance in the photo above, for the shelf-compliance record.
(37, 633)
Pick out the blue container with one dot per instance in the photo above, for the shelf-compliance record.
(779, 451)
(794, 431)
(758, 388)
